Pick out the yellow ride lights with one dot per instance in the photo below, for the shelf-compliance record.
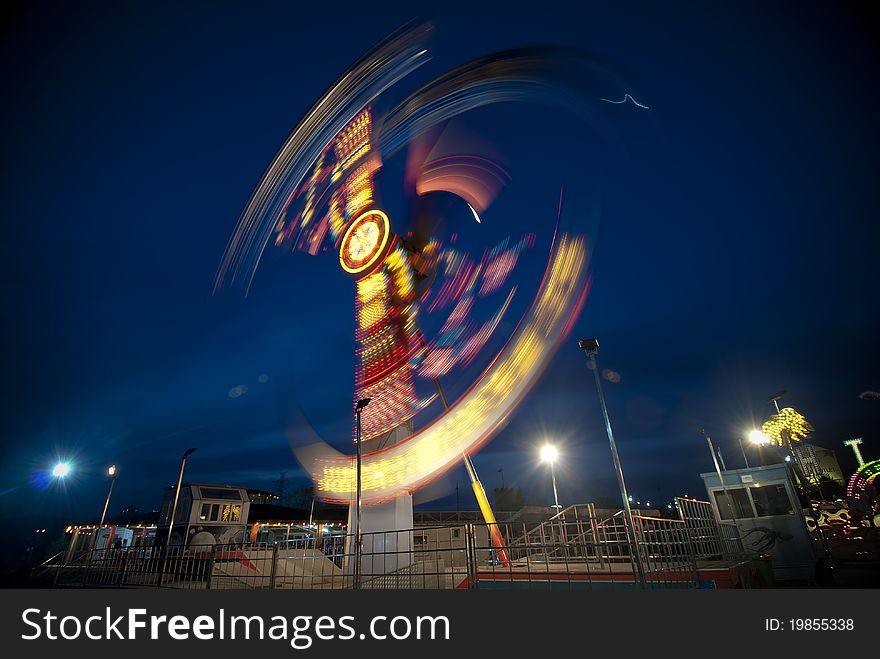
(415, 461)
(787, 421)
(364, 242)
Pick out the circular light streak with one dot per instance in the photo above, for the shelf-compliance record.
(864, 476)
(481, 411)
(364, 242)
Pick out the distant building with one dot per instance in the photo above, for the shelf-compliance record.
(264, 496)
(818, 462)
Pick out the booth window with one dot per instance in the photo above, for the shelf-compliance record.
(742, 507)
(771, 500)
(220, 493)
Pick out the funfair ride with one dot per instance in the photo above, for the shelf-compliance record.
(321, 191)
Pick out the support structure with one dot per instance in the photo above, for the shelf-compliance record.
(590, 348)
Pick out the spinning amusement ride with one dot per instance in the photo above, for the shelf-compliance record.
(321, 194)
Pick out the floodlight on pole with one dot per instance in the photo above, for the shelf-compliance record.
(361, 404)
(703, 432)
(185, 455)
(743, 449)
(111, 472)
(61, 470)
(775, 398)
(590, 348)
(758, 437)
(550, 454)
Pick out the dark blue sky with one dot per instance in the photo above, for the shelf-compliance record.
(736, 253)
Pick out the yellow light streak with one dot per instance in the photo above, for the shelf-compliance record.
(480, 412)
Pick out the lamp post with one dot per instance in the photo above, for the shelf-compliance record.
(759, 439)
(549, 454)
(358, 548)
(111, 472)
(743, 449)
(590, 348)
(703, 432)
(775, 399)
(186, 454)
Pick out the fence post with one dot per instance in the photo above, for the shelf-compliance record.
(161, 564)
(91, 554)
(274, 563)
(58, 569)
(124, 558)
(471, 556)
(210, 574)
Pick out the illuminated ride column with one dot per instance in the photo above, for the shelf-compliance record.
(389, 342)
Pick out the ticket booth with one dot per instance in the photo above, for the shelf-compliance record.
(763, 503)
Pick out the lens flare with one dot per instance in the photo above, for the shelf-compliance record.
(61, 470)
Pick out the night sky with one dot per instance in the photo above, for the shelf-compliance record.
(735, 255)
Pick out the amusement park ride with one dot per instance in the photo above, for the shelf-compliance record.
(787, 427)
(321, 193)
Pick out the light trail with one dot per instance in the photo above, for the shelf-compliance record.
(625, 98)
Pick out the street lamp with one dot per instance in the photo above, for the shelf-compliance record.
(186, 454)
(61, 470)
(549, 454)
(758, 437)
(111, 472)
(775, 398)
(743, 449)
(361, 404)
(590, 348)
(730, 502)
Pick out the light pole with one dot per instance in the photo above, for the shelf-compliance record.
(743, 449)
(759, 439)
(703, 432)
(549, 454)
(775, 399)
(186, 454)
(590, 348)
(358, 548)
(111, 472)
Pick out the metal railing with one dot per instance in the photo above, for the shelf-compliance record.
(574, 549)
(711, 539)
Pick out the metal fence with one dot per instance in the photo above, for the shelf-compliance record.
(711, 539)
(574, 549)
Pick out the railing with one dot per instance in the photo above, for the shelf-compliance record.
(573, 549)
(711, 539)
